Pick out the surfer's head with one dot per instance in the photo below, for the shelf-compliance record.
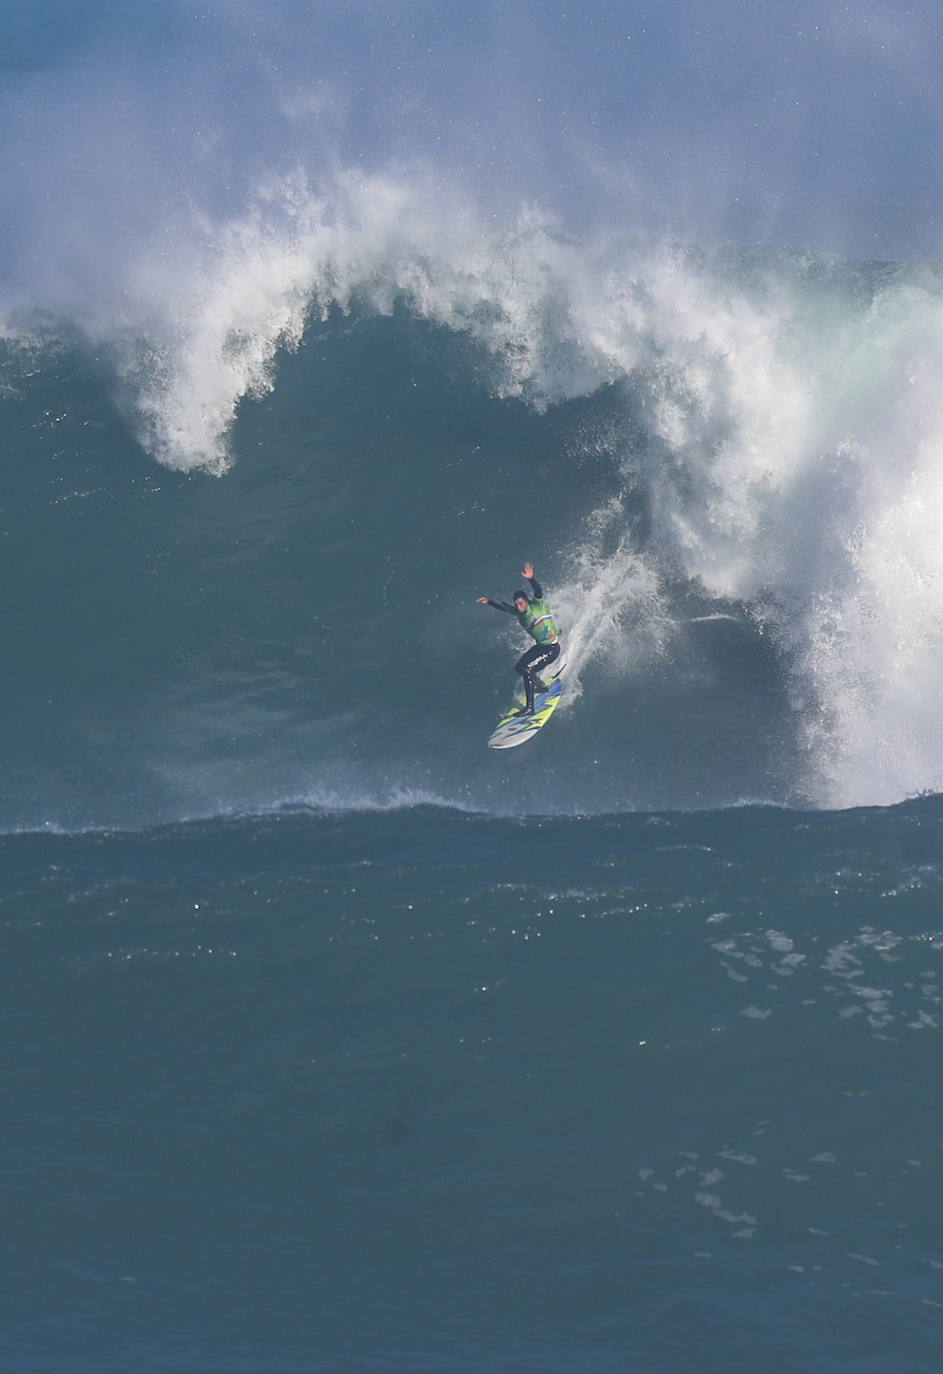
(521, 601)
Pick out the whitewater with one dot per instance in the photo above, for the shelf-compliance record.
(752, 433)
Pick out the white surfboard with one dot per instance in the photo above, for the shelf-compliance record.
(514, 729)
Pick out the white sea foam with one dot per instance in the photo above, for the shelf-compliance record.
(803, 485)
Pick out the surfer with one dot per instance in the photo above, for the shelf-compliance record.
(535, 617)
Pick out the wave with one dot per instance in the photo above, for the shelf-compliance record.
(770, 425)
(748, 440)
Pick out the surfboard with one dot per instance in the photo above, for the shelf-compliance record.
(514, 729)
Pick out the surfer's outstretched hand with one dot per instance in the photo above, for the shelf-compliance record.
(482, 601)
(528, 570)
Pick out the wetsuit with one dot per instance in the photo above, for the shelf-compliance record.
(538, 622)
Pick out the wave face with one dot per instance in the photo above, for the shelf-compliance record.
(291, 374)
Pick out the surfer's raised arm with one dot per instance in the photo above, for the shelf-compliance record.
(529, 574)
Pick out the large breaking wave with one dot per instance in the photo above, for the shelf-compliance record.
(759, 444)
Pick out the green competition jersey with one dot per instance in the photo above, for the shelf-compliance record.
(538, 622)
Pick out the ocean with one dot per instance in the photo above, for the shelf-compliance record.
(335, 1041)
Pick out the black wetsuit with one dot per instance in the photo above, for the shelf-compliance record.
(539, 656)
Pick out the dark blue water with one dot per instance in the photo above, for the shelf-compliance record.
(430, 1091)
(335, 1041)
